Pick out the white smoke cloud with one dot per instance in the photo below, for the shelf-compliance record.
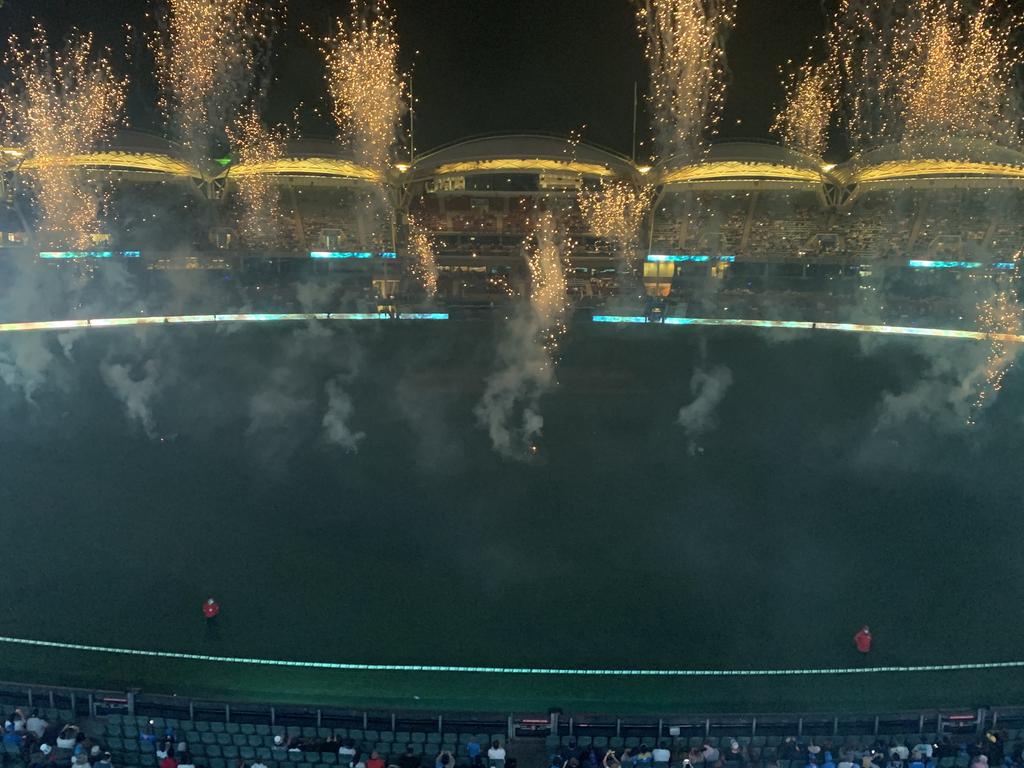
(708, 388)
(336, 429)
(136, 387)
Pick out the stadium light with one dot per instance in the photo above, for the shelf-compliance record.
(643, 168)
(402, 167)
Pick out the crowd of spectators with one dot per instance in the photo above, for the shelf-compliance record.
(989, 751)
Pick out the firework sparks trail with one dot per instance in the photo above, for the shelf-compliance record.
(57, 105)
(685, 50)
(256, 194)
(925, 73)
(207, 54)
(510, 407)
(811, 103)
(422, 248)
(366, 89)
(1002, 314)
(614, 211)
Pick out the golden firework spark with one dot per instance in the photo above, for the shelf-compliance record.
(959, 78)
(685, 49)
(614, 211)
(549, 300)
(1002, 314)
(256, 194)
(57, 105)
(926, 73)
(422, 248)
(811, 102)
(206, 55)
(367, 90)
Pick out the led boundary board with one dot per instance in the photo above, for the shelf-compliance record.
(112, 322)
(88, 254)
(351, 254)
(662, 257)
(943, 333)
(925, 264)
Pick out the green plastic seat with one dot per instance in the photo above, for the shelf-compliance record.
(230, 752)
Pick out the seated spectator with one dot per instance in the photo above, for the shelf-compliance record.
(643, 756)
(926, 750)
(164, 750)
(610, 760)
(17, 721)
(375, 761)
(68, 737)
(36, 725)
(13, 737)
(828, 763)
(901, 750)
(278, 740)
(662, 754)
(710, 754)
(105, 761)
(790, 749)
(81, 761)
(357, 761)
(186, 761)
(444, 759)
(847, 761)
(496, 752)
(347, 749)
(148, 733)
(410, 759)
(473, 750)
(330, 744)
(42, 757)
(735, 754)
(169, 760)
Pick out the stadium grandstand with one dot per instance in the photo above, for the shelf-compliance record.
(746, 215)
(78, 727)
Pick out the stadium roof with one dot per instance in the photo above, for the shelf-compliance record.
(130, 152)
(309, 158)
(744, 161)
(523, 153)
(966, 159)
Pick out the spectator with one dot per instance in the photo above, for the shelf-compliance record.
(357, 761)
(828, 763)
(17, 719)
(81, 761)
(164, 750)
(627, 759)
(375, 761)
(67, 737)
(186, 761)
(496, 752)
(735, 754)
(711, 754)
(790, 749)
(610, 760)
(11, 736)
(847, 761)
(473, 750)
(106, 762)
(169, 760)
(662, 754)
(444, 759)
(36, 725)
(347, 750)
(410, 759)
(900, 750)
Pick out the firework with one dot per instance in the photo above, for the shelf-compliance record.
(685, 49)
(367, 91)
(810, 105)
(60, 104)
(614, 211)
(207, 53)
(548, 300)
(959, 81)
(421, 246)
(256, 194)
(925, 73)
(1000, 314)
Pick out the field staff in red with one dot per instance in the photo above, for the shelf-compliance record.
(863, 639)
(210, 609)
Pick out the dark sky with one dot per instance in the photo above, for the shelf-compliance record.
(494, 65)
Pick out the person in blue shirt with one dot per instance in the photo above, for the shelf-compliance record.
(473, 750)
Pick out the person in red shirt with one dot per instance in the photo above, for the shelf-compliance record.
(210, 609)
(170, 761)
(863, 639)
(375, 761)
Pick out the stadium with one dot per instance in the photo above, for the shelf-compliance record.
(321, 448)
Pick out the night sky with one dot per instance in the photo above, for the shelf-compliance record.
(488, 65)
